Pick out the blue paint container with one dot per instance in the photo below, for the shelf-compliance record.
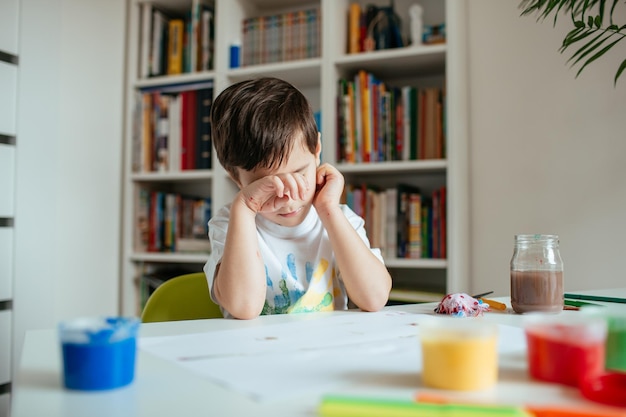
(98, 353)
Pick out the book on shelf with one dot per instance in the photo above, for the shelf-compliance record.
(145, 36)
(141, 235)
(170, 222)
(378, 122)
(158, 46)
(201, 41)
(354, 28)
(203, 128)
(171, 129)
(137, 129)
(406, 236)
(175, 46)
(281, 37)
(188, 129)
(391, 226)
(372, 28)
(173, 43)
(402, 221)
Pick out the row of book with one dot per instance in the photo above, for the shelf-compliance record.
(171, 222)
(172, 128)
(374, 27)
(376, 122)
(402, 221)
(281, 37)
(173, 43)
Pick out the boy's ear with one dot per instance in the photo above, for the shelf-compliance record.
(318, 148)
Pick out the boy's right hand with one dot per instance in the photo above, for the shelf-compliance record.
(271, 193)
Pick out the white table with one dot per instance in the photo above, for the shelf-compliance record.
(162, 388)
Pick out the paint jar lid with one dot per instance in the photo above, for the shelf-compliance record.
(608, 388)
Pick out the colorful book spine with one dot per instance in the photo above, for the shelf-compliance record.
(171, 222)
(281, 37)
(175, 47)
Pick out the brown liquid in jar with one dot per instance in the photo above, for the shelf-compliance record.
(540, 291)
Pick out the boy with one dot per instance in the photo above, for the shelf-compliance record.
(284, 244)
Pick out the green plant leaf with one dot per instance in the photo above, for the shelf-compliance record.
(590, 22)
(589, 47)
(596, 56)
(567, 42)
(620, 70)
(598, 21)
(612, 10)
(579, 24)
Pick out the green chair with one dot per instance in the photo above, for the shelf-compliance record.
(185, 297)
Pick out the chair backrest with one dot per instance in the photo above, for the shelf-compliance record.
(185, 297)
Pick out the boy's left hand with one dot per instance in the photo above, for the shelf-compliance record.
(329, 186)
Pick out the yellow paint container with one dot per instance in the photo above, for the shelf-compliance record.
(459, 353)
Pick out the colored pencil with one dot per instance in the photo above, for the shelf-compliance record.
(588, 297)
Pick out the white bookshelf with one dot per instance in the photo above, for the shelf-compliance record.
(317, 79)
(8, 136)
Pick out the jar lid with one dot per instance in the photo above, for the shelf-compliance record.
(608, 388)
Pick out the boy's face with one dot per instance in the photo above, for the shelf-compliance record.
(299, 162)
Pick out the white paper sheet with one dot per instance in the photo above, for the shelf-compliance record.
(280, 360)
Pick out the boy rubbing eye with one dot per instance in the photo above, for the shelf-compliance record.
(285, 244)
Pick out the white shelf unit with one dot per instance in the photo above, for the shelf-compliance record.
(9, 74)
(317, 79)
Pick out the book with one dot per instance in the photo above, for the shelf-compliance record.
(188, 130)
(207, 37)
(354, 28)
(141, 206)
(146, 132)
(415, 226)
(174, 134)
(161, 131)
(146, 39)
(391, 198)
(158, 55)
(403, 217)
(136, 163)
(175, 47)
(203, 126)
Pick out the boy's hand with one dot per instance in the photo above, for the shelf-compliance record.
(329, 187)
(271, 193)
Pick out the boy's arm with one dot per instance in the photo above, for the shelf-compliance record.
(239, 282)
(239, 285)
(366, 278)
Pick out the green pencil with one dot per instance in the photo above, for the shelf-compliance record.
(595, 298)
(574, 303)
(340, 406)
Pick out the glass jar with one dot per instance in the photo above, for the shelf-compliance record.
(536, 274)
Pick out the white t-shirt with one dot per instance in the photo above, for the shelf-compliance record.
(300, 268)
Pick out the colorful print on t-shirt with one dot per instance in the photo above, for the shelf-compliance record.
(293, 297)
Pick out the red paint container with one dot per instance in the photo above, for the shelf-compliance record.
(565, 349)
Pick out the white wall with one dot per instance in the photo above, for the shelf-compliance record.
(68, 161)
(547, 151)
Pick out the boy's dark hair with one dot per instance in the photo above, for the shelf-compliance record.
(254, 123)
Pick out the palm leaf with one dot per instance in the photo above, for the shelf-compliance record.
(596, 56)
(621, 69)
(588, 47)
(586, 23)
